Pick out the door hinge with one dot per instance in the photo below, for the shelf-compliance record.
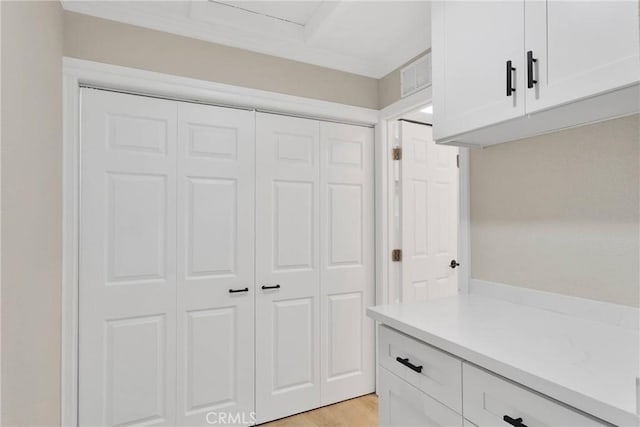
(458, 161)
(397, 153)
(396, 255)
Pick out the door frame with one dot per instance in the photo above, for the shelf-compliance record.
(388, 273)
(77, 73)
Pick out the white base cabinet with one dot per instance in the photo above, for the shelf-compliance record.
(420, 385)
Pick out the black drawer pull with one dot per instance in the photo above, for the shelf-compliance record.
(515, 422)
(234, 291)
(409, 365)
(270, 287)
(510, 70)
(530, 61)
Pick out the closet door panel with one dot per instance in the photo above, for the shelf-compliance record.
(287, 261)
(127, 365)
(346, 259)
(216, 158)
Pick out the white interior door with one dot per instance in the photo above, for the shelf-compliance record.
(215, 292)
(127, 317)
(287, 261)
(430, 213)
(347, 256)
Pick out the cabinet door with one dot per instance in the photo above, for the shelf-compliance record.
(347, 256)
(215, 256)
(127, 276)
(401, 404)
(581, 48)
(287, 262)
(472, 42)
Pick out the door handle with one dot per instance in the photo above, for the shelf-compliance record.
(454, 263)
(408, 364)
(515, 422)
(510, 70)
(270, 286)
(235, 291)
(530, 60)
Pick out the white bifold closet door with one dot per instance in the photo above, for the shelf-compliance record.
(314, 258)
(430, 194)
(166, 230)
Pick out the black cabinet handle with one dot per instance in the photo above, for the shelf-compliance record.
(454, 263)
(270, 287)
(235, 291)
(510, 70)
(515, 422)
(409, 365)
(530, 61)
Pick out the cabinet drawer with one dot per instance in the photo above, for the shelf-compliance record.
(489, 398)
(401, 404)
(440, 374)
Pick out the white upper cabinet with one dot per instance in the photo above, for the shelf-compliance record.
(576, 49)
(476, 42)
(574, 62)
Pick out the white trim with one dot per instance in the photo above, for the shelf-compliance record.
(604, 312)
(386, 274)
(80, 72)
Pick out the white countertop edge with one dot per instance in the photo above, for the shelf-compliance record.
(584, 403)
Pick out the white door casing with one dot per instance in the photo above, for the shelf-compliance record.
(346, 259)
(287, 255)
(127, 313)
(429, 194)
(215, 349)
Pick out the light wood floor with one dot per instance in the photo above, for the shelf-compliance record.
(358, 412)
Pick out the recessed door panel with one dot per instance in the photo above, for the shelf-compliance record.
(346, 258)
(135, 370)
(127, 276)
(287, 260)
(211, 351)
(212, 227)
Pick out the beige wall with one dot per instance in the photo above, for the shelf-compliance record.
(31, 217)
(101, 40)
(560, 212)
(389, 85)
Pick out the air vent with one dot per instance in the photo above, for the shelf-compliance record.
(416, 76)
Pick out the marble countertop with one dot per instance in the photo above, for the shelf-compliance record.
(586, 364)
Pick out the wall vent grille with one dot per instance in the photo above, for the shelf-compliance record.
(415, 76)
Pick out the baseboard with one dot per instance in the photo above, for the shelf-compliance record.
(604, 312)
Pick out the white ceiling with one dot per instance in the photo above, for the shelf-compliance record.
(370, 38)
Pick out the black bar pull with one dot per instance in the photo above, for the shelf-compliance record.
(510, 70)
(530, 60)
(270, 287)
(235, 291)
(515, 422)
(409, 365)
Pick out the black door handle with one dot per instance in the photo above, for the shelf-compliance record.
(270, 287)
(454, 263)
(516, 422)
(234, 291)
(530, 61)
(510, 70)
(409, 365)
